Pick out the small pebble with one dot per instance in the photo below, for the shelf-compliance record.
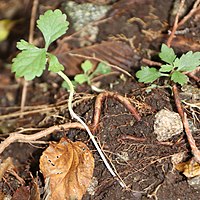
(167, 124)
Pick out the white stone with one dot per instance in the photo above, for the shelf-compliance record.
(167, 124)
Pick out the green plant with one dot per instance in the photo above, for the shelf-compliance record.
(175, 68)
(31, 62)
(88, 73)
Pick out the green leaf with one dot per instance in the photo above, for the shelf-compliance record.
(86, 66)
(149, 89)
(102, 68)
(148, 75)
(166, 68)
(176, 63)
(66, 86)
(24, 45)
(52, 24)
(29, 63)
(54, 64)
(189, 61)
(167, 54)
(179, 77)
(81, 78)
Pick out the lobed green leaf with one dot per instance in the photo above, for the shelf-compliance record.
(52, 24)
(188, 62)
(86, 66)
(29, 63)
(148, 75)
(54, 64)
(81, 78)
(179, 77)
(24, 45)
(166, 68)
(102, 68)
(167, 54)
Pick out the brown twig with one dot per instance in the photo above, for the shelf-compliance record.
(99, 60)
(175, 26)
(29, 110)
(195, 8)
(150, 62)
(123, 100)
(177, 101)
(132, 138)
(16, 136)
(193, 74)
(30, 40)
(195, 150)
(183, 115)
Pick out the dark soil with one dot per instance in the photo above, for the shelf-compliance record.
(143, 163)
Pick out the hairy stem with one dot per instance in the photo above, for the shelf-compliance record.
(75, 116)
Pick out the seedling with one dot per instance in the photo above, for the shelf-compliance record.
(174, 67)
(31, 62)
(88, 73)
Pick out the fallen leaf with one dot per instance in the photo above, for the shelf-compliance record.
(2, 196)
(190, 168)
(22, 193)
(67, 168)
(114, 52)
(35, 190)
(7, 165)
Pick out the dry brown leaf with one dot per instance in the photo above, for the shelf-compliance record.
(35, 190)
(2, 196)
(22, 193)
(68, 167)
(190, 168)
(7, 165)
(114, 52)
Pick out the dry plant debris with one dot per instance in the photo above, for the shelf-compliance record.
(6, 165)
(68, 169)
(189, 168)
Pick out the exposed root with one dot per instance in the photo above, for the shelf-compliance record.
(15, 137)
(183, 116)
(123, 100)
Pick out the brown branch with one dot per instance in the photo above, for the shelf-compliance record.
(177, 101)
(123, 100)
(175, 26)
(16, 136)
(183, 116)
(195, 150)
(150, 62)
(132, 138)
(195, 8)
(193, 74)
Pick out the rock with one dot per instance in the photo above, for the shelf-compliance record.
(167, 124)
(195, 182)
(85, 13)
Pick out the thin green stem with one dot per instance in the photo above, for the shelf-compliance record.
(162, 74)
(75, 116)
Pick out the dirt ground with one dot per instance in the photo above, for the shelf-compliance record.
(130, 31)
